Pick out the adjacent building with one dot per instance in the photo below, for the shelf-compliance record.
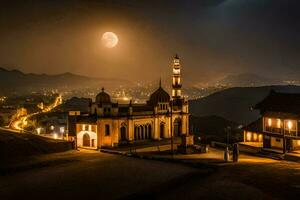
(278, 126)
(110, 124)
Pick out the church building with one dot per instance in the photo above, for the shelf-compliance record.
(109, 123)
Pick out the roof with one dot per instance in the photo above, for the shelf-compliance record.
(90, 119)
(103, 97)
(160, 95)
(141, 108)
(256, 126)
(280, 103)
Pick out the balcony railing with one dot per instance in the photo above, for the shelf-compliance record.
(282, 131)
(274, 130)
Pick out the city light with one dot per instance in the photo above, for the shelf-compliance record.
(62, 130)
(55, 135)
(38, 130)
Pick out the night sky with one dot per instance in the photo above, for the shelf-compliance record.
(213, 37)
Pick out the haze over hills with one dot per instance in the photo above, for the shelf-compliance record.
(17, 81)
(235, 104)
(247, 80)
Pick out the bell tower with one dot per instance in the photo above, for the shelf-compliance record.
(176, 82)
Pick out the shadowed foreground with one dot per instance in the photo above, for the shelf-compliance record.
(85, 174)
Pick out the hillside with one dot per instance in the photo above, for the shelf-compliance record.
(235, 104)
(17, 81)
(213, 128)
(15, 145)
(248, 79)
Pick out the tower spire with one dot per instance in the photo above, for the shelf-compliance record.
(176, 82)
(160, 82)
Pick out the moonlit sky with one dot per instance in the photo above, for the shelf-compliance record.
(213, 37)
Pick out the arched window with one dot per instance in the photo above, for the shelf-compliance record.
(142, 133)
(149, 131)
(139, 132)
(136, 133)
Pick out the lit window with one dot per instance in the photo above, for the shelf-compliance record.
(254, 136)
(83, 127)
(269, 122)
(290, 125)
(260, 138)
(278, 123)
(90, 127)
(249, 136)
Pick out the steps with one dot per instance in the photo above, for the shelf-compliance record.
(270, 153)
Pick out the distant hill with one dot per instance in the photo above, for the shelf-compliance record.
(212, 128)
(248, 80)
(234, 104)
(15, 145)
(14, 80)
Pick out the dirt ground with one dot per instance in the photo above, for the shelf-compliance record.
(86, 174)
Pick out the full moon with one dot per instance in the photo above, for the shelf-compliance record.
(110, 39)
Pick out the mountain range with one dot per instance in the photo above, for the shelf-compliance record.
(19, 82)
(247, 80)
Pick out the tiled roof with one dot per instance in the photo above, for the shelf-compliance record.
(280, 102)
(256, 126)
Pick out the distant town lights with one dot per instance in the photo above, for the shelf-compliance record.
(62, 130)
(55, 135)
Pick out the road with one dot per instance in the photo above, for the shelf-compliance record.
(85, 174)
(21, 122)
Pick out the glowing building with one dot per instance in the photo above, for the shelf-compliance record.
(278, 126)
(111, 124)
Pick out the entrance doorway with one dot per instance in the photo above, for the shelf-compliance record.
(123, 133)
(86, 140)
(177, 127)
(162, 130)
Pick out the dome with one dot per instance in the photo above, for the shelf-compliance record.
(103, 97)
(160, 95)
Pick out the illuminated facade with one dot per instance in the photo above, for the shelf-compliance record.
(278, 127)
(111, 124)
(176, 80)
